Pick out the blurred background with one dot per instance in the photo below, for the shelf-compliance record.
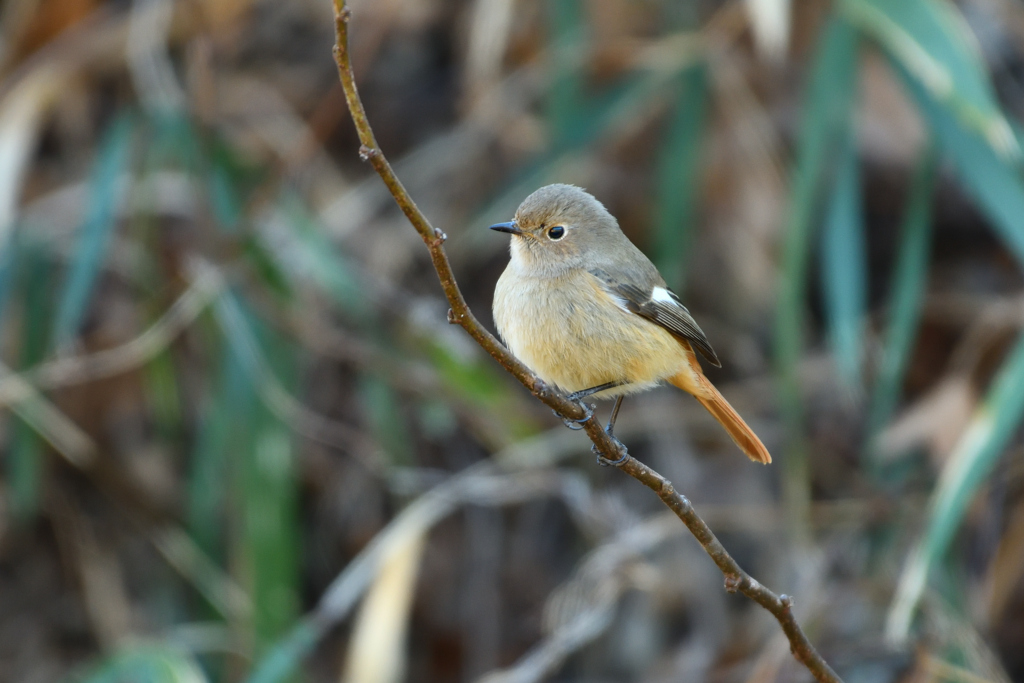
(241, 443)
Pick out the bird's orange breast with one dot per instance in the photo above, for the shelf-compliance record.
(574, 334)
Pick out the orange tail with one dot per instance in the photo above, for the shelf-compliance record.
(694, 382)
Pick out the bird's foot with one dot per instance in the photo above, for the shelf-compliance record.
(605, 462)
(577, 425)
(578, 396)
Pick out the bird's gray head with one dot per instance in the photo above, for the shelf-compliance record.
(558, 228)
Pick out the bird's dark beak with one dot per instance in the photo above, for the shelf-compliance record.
(510, 227)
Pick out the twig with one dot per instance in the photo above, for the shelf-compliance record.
(128, 356)
(735, 578)
(583, 608)
(22, 392)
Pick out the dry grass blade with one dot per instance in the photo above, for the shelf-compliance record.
(377, 649)
(944, 671)
(53, 425)
(992, 425)
(1007, 568)
(182, 553)
(492, 20)
(103, 588)
(481, 484)
(584, 608)
(735, 578)
(21, 118)
(769, 20)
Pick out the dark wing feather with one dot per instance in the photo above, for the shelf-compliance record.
(672, 315)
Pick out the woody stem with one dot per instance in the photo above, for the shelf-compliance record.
(735, 578)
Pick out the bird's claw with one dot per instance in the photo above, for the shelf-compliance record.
(605, 462)
(577, 425)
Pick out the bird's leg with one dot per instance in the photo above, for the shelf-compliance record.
(578, 396)
(608, 430)
(614, 415)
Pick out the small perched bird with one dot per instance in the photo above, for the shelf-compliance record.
(589, 313)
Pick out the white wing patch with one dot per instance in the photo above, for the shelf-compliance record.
(661, 306)
(662, 295)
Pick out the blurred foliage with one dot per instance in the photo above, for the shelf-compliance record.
(233, 398)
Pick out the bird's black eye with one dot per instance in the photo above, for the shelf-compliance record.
(556, 233)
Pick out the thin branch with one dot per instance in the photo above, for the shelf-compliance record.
(15, 388)
(781, 607)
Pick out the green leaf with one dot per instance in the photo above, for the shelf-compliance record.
(436, 419)
(931, 41)
(25, 470)
(225, 422)
(270, 531)
(478, 381)
(678, 177)
(994, 184)
(25, 461)
(825, 120)
(305, 252)
(266, 266)
(474, 380)
(97, 229)
(163, 397)
(264, 479)
(844, 266)
(285, 657)
(9, 257)
(173, 142)
(146, 664)
(566, 105)
(993, 425)
(384, 414)
(226, 205)
(909, 281)
(231, 180)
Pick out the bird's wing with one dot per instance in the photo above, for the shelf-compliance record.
(658, 304)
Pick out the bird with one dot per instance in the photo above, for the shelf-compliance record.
(588, 312)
